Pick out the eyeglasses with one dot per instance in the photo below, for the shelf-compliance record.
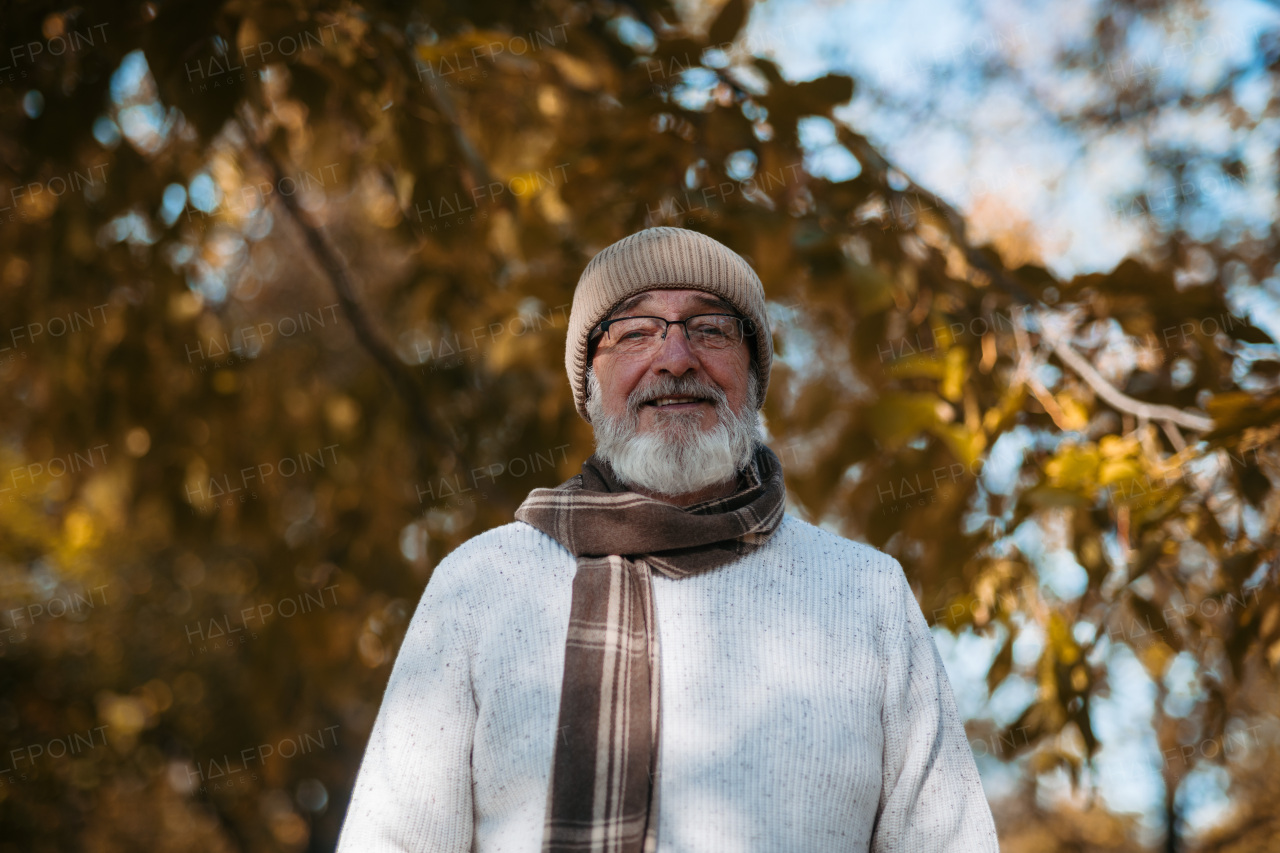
(639, 335)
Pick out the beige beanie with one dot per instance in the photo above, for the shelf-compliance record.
(655, 259)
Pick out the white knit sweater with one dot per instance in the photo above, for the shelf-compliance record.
(804, 708)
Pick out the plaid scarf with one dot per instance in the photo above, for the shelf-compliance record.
(602, 796)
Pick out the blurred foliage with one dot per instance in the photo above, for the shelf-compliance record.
(339, 240)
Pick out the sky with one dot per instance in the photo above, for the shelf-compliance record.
(923, 100)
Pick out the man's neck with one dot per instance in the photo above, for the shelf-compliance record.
(719, 490)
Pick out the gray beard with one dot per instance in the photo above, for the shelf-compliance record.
(677, 457)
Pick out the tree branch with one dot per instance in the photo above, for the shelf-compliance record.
(335, 268)
(1026, 374)
(1115, 398)
(872, 160)
(475, 171)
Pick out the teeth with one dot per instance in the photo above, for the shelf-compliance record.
(667, 401)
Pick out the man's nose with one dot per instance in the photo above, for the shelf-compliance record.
(675, 355)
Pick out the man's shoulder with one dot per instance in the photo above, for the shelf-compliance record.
(513, 534)
(494, 551)
(839, 565)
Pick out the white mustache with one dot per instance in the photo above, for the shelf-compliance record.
(680, 457)
(673, 387)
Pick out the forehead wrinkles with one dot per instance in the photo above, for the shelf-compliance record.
(702, 299)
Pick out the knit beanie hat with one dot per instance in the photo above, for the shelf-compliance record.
(662, 258)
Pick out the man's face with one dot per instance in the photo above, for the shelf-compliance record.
(622, 375)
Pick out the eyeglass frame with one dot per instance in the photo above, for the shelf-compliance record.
(602, 328)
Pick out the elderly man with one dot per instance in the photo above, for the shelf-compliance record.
(654, 657)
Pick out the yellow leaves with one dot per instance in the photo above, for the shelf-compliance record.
(342, 413)
(1002, 665)
(378, 199)
(989, 353)
(100, 511)
(404, 183)
(911, 412)
(1114, 464)
(1062, 677)
(1155, 658)
(965, 445)
(15, 272)
(1239, 410)
(958, 612)
(1011, 403)
(34, 206)
(67, 540)
(952, 369)
(1231, 404)
(124, 716)
(552, 207)
(577, 73)
(225, 381)
(346, 48)
(1075, 416)
(550, 102)
(1062, 645)
(513, 393)
(209, 327)
(185, 305)
(156, 695)
(1047, 760)
(873, 288)
(137, 442)
(955, 373)
(1118, 470)
(468, 55)
(996, 588)
(79, 530)
(466, 46)
(815, 402)
(1114, 446)
(502, 237)
(1090, 554)
(899, 416)
(1074, 468)
(1269, 620)
(288, 828)
(918, 366)
(194, 480)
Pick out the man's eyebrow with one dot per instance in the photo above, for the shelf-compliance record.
(714, 301)
(707, 299)
(630, 303)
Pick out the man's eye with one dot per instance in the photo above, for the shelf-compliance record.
(710, 330)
